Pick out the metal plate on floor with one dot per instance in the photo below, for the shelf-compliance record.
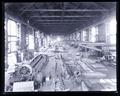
(23, 86)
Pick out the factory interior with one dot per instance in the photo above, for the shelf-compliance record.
(60, 46)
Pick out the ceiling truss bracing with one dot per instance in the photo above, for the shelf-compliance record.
(67, 14)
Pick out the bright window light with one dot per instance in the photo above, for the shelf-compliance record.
(58, 39)
(12, 35)
(84, 35)
(12, 39)
(12, 59)
(113, 39)
(13, 46)
(12, 28)
(113, 31)
(93, 34)
(113, 26)
(31, 42)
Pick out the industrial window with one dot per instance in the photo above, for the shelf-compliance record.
(78, 36)
(73, 36)
(12, 35)
(27, 39)
(58, 39)
(112, 26)
(31, 42)
(84, 35)
(94, 34)
(37, 40)
(5, 30)
(30, 39)
(13, 31)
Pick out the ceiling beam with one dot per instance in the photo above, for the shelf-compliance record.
(57, 23)
(34, 21)
(60, 20)
(78, 16)
(105, 3)
(67, 10)
(25, 8)
(54, 30)
(65, 16)
(96, 4)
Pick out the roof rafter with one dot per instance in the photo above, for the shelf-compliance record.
(29, 5)
(67, 16)
(56, 23)
(60, 20)
(72, 16)
(96, 4)
(65, 10)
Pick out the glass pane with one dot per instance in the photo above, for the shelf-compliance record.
(31, 42)
(113, 39)
(96, 28)
(27, 42)
(5, 25)
(12, 38)
(37, 34)
(12, 28)
(12, 59)
(19, 30)
(84, 35)
(13, 46)
(9, 27)
(93, 34)
(113, 26)
(9, 47)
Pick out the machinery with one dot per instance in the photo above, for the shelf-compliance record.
(71, 72)
(80, 73)
(32, 71)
